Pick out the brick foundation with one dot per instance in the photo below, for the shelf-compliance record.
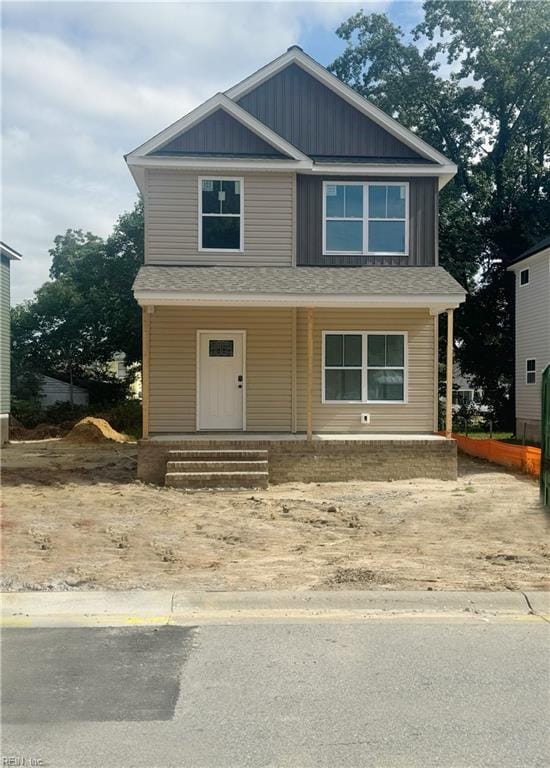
(322, 460)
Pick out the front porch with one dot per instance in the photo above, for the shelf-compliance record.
(295, 458)
(333, 374)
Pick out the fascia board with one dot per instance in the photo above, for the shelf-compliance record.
(218, 163)
(435, 303)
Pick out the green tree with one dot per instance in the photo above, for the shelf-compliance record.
(472, 79)
(86, 313)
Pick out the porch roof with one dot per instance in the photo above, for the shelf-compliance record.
(298, 286)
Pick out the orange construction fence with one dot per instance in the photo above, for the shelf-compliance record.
(522, 457)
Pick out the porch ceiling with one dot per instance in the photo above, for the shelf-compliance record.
(429, 287)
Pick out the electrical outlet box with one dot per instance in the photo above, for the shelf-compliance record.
(365, 418)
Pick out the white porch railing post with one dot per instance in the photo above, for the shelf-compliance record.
(449, 376)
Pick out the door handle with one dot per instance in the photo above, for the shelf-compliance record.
(240, 380)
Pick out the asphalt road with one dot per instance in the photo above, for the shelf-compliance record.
(402, 693)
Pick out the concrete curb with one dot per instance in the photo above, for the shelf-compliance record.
(26, 609)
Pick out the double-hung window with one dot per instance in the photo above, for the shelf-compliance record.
(220, 214)
(344, 218)
(364, 367)
(365, 218)
(531, 371)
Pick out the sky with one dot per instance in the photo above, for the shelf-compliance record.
(85, 83)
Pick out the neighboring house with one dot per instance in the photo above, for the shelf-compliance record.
(7, 255)
(464, 392)
(120, 370)
(54, 391)
(291, 286)
(532, 271)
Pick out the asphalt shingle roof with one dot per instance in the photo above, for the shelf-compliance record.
(361, 281)
(540, 246)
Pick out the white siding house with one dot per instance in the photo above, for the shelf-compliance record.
(532, 274)
(54, 391)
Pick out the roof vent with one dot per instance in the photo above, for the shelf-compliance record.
(297, 47)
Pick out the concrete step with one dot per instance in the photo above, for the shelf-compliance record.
(192, 465)
(217, 479)
(218, 455)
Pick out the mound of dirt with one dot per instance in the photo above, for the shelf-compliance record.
(94, 430)
(40, 432)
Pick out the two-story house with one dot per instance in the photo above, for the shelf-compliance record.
(532, 333)
(291, 288)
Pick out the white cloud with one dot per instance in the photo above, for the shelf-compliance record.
(85, 82)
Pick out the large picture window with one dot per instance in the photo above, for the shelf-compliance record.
(220, 215)
(365, 218)
(364, 367)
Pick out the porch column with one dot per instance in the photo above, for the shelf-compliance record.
(449, 377)
(309, 401)
(146, 346)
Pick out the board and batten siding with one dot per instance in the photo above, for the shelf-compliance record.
(417, 415)
(268, 373)
(173, 365)
(219, 133)
(171, 219)
(316, 120)
(532, 332)
(423, 224)
(4, 336)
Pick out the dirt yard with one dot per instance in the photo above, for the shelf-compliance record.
(75, 518)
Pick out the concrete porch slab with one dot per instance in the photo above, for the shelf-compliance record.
(288, 436)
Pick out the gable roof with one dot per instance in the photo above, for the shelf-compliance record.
(317, 120)
(401, 146)
(219, 134)
(295, 55)
(542, 245)
(219, 100)
(9, 253)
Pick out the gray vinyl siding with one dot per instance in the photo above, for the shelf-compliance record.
(4, 336)
(532, 333)
(171, 219)
(219, 134)
(423, 205)
(318, 122)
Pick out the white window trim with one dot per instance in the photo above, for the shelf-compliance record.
(340, 218)
(464, 389)
(365, 367)
(365, 249)
(527, 372)
(240, 215)
(521, 271)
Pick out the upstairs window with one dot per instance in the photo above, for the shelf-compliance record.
(365, 218)
(531, 371)
(220, 215)
(344, 218)
(524, 277)
(387, 214)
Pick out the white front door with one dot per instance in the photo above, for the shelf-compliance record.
(220, 394)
